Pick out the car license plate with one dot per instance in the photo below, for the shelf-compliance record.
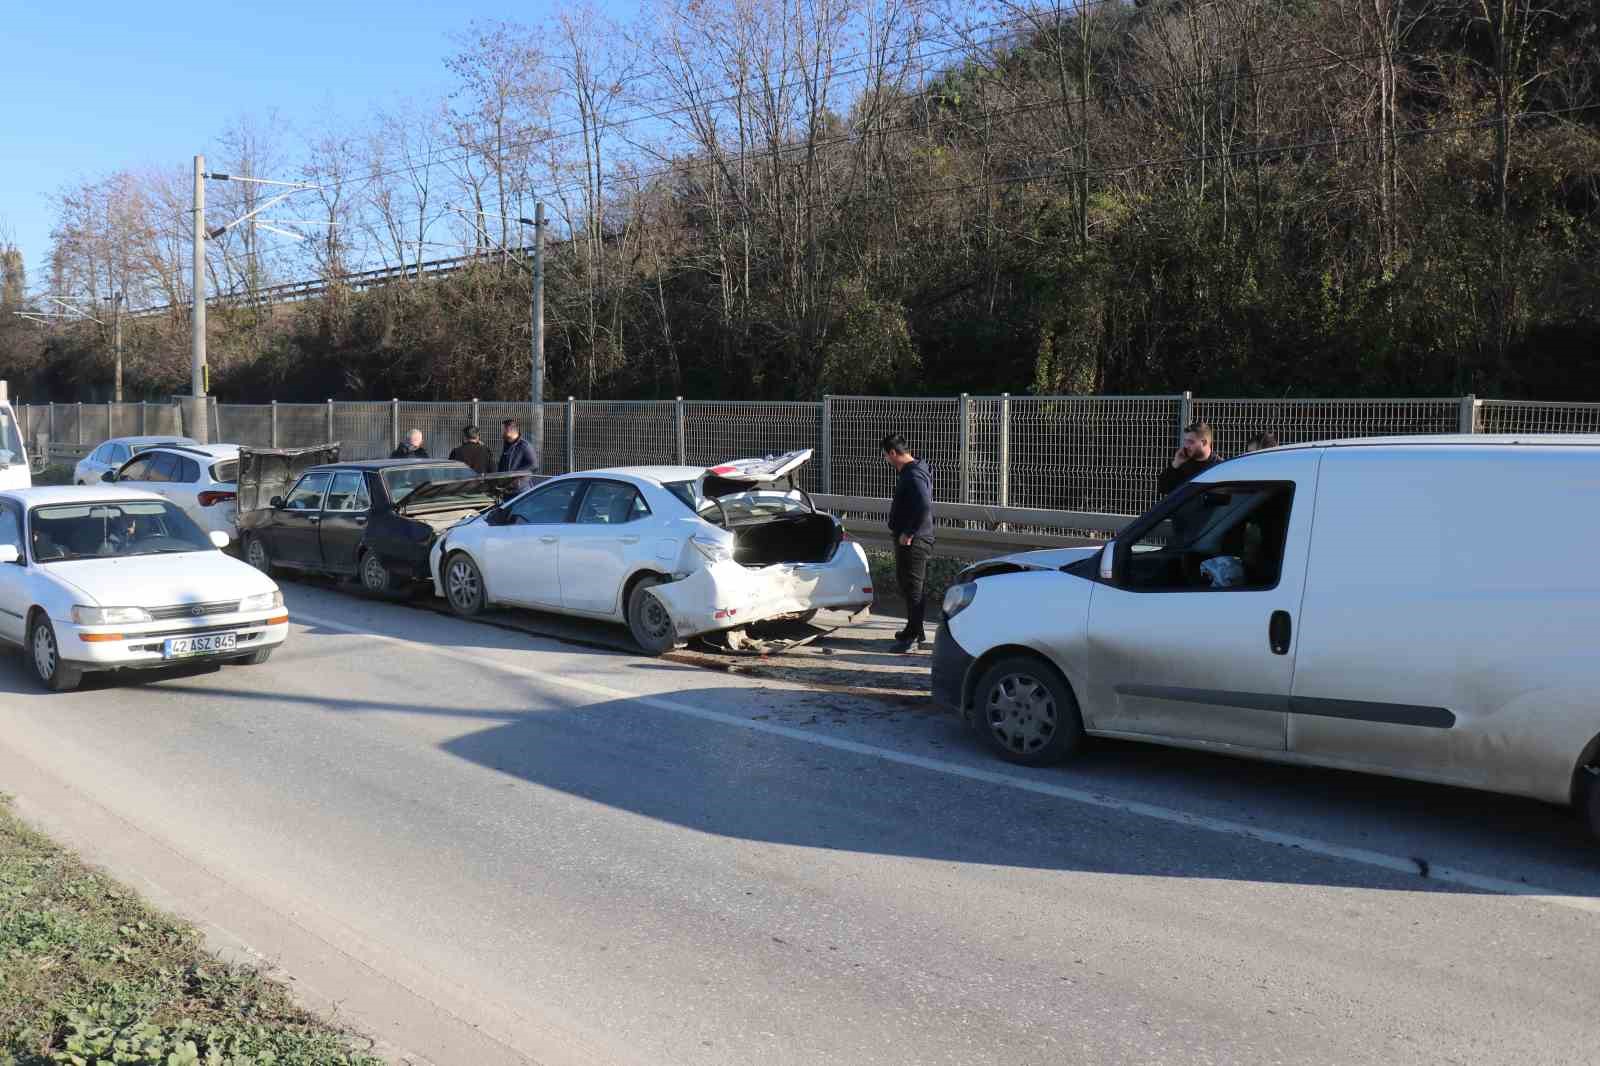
(179, 647)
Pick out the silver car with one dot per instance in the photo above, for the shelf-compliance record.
(1417, 607)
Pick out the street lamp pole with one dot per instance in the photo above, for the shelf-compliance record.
(197, 319)
(536, 370)
(116, 339)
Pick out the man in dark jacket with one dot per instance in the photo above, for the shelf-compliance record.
(517, 453)
(411, 447)
(911, 522)
(1195, 456)
(472, 452)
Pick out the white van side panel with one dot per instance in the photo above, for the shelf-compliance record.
(15, 473)
(1454, 592)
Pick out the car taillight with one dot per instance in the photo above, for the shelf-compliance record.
(211, 499)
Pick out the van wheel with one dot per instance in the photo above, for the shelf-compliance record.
(1027, 713)
(463, 585)
(648, 619)
(44, 654)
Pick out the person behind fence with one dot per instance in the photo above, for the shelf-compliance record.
(411, 447)
(517, 453)
(1261, 441)
(471, 451)
(911, 522)
(1194, 456)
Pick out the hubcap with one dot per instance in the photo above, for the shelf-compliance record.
(653, 617)
(258, 554)
(376, 576)
(464, 588)
(1022, 713)
(44, 652)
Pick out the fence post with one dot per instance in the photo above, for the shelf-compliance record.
(111, 425)
(80, 422)
(274, 423)
(1005, 450)
(1467, 420)
(964, 448)
(330, 420)
(682, 435)
(53, 436)
(144, 417)
(394, 423)
(1185, 412)
(572, 434)
(826, 443)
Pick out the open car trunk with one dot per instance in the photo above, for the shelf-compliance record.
(268, 472)
(772, 519)
(792, 538)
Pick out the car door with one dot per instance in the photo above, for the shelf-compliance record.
(295, 537)
(182, 486)
(344, 520)
(597, 549)
(522, 554)
(136, 474)
(14, 598)
(1192, 636)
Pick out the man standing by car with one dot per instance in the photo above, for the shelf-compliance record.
(472, 452)
(911, 522)
(517, 455)
(411, 447)
(1195, 456)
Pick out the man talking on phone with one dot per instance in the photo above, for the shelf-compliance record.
(1195, 456)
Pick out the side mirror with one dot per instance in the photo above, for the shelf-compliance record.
(219, 538)
(1108, 561)
(276, 503)
(109, 475)
(10, 553)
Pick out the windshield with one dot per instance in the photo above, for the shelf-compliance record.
(401, 480)
(228, 471)
(113, 530)
(10, 440)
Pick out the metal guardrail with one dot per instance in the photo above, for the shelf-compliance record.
(863, 518)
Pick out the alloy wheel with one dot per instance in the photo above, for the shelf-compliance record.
(463, 585)
(374, 574)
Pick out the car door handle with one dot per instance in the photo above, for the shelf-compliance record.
(313, 519)
(361, 521)
(547, 540)
(1280, 633)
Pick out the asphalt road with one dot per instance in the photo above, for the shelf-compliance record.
(487, 847)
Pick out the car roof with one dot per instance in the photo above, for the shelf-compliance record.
(658, 474)
(1477, 440)
(382, 464)
(210, 451)
(152, 439)
(53, 494)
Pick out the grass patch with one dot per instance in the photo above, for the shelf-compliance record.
(941, 574)
(90, 975)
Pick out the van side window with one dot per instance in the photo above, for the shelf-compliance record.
(1219, 538)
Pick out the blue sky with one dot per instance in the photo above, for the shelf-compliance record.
(90, 86)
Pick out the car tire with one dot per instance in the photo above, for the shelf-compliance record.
(376, 579)
(256, 554)
(44, 656)
(464, 589)
(1026, 712)
(258, 657)
(648, 620)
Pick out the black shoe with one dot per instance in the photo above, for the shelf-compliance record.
(906, 645)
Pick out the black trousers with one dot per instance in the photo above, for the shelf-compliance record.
(911, 571)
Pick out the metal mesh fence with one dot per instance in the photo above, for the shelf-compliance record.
(715, 432)
(65, 419)
(859, 423)
(1299, 421)
(553, 453)
(1084, 453)
(244, 423)
(1519, 416)
(626, 433)
(301, 425)
(365, 429)
(441, 424)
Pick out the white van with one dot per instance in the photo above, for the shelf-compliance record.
(1422, 607)
(14, 471)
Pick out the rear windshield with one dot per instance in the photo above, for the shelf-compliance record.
(228, 471)
(401, 480)
(113, 530)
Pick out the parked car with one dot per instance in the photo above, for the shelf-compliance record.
(674, 552)
(200, 478)
(374, 520)
(15, 473)
(1371, 605)
(113, 454)
(107, 578)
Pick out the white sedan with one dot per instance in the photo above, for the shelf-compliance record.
(113, 453)
(674, 552)
(109, 579)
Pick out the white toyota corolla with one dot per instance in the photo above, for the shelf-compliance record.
(113, 579)
(672, 551)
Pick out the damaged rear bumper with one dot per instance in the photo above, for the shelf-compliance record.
(727, 595)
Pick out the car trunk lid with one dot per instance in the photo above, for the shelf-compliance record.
(267, 472)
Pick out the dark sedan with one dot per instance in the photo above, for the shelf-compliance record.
(373, 520)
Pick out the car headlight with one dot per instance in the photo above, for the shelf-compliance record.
(714, 550)
(265, 601)
(109, 616)
(958, 598)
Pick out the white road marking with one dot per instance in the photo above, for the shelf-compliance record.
(1311, 845)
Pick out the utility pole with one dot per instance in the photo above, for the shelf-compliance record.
(116, 340)
(197, 320)
(536, 371)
